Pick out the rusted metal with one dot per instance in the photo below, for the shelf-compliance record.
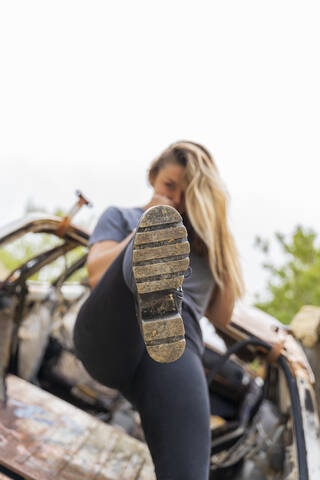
(7, 306)
(82, 200)
(33, 265)
(39, 443)
(248, 321)
(275, 352)
(245, 322)
(41, 223)
(45, 438)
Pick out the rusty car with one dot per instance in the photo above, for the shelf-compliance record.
(264, 417)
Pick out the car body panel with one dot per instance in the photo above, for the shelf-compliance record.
(247, 322)
(45, 438)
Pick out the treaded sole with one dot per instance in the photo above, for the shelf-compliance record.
(160, 259)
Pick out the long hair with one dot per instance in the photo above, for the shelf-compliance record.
(206, 210)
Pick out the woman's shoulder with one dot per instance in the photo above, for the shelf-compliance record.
(118, 210)
(111, 212)
(131, 216)
(115, 223)
(126, 217)
(124, 212)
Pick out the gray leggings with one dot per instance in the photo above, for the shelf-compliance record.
(172, 399)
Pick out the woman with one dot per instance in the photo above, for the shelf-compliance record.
(137, 262)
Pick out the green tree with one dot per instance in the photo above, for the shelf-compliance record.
(297, 281)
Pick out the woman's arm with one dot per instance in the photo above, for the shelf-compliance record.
(220, 308)
(101, 255)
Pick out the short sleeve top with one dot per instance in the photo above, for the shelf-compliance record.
(116, 223)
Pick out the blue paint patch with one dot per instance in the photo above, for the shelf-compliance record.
(43, 420)
(30, 411)
(74, 427)
(16, 403)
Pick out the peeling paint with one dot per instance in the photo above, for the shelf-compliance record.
(31, 412)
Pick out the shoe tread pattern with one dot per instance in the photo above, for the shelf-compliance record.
(160, 259)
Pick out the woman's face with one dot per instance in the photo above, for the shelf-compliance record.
(170, 183)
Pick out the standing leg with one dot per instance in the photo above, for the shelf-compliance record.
(173, 403)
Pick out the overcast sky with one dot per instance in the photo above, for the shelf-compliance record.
(91, 91)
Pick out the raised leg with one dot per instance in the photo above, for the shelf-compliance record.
(107, 336)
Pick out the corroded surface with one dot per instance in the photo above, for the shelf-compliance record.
(273, 333)
(6, 330)
(45, 438)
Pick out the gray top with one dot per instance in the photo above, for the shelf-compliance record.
(116, 223)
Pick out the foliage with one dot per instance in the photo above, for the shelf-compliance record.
(297, 281)
(23, 249)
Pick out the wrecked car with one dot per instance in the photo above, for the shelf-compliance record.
(264, 418)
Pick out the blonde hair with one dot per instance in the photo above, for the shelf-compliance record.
(206, 207)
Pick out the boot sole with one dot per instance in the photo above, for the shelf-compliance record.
(160, 259)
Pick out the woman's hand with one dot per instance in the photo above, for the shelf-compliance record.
(159, 200)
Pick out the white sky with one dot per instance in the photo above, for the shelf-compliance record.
(91, 91)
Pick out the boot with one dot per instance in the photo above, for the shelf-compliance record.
(160, 260)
